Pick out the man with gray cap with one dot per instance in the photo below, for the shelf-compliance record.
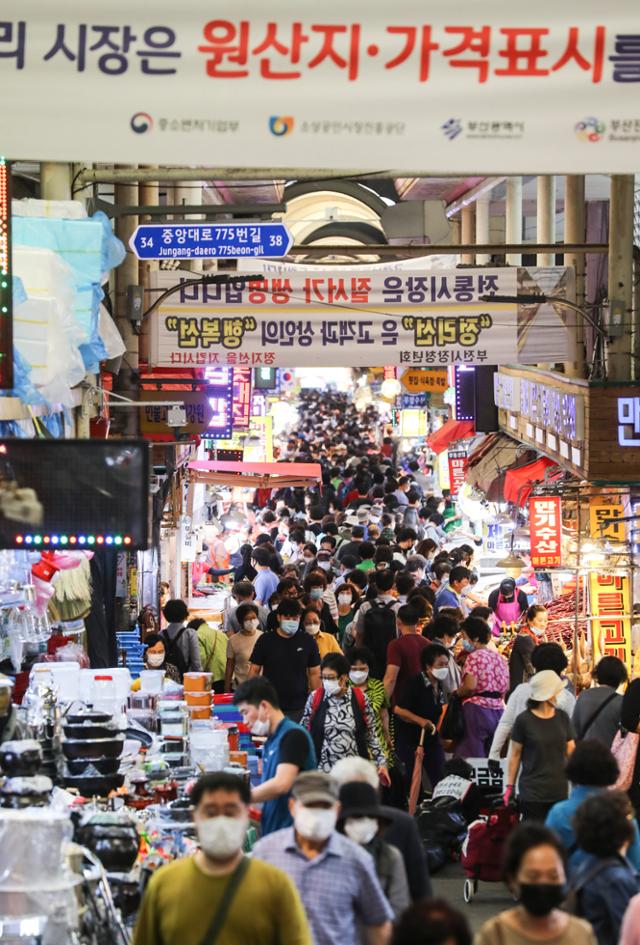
(335, 877)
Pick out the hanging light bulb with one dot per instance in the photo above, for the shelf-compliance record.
(390, 388)
(512, 563)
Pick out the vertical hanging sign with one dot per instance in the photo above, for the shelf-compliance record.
(241, 398)
(458, 462)
(545, 524)
(6, 297)
(220, 396)
(611, 610)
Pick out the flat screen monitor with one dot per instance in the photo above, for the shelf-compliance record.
(74, 494)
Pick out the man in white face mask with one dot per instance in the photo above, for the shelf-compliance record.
(219, 894)
(288, 750)
(335, 876)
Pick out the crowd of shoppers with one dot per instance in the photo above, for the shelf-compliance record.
(353, 635)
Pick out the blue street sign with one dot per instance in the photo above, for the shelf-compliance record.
(189, 240)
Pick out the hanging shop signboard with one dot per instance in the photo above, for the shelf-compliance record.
(241, 398)
(407, 401)
(606, 514)
(545, 525)
(302, 86)
(322, 318)
(575, 422)
(417, 380)
(154, 416)
(611, 609)
(458, 461)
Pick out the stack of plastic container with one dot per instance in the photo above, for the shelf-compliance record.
(197, 695)
(37, 890)
(209, 747)
(129, 644)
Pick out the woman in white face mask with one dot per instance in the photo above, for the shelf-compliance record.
(360, 661)
(420, 708)
(312, 624)
(155, 657)
(240, 646)
(362, 820)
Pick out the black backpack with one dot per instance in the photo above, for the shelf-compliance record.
(174, 654)
(379, 631)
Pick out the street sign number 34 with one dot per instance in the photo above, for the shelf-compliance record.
(190, 240)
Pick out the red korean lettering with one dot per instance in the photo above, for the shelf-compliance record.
(313, 290)
(411, 34)
(281, 291)
(226, 42)
(523, 60)
(291, 51)
(475, 41)
(327, 51)
(360, 288)
(572, 53)
(337, 291)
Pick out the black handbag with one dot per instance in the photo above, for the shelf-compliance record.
(452, 728)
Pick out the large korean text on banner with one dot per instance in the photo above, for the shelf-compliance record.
(463, 88)
(318, 318)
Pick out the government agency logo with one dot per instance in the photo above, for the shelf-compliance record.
(280, 125)
(590, 129)
(452, 128)
(141, 122)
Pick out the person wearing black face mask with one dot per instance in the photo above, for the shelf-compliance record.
(534, 870)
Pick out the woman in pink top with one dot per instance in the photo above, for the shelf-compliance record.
(485, 680)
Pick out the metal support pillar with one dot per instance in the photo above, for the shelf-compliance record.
(55, 181)
(126, 382)
(467, 233)
(513, 218)
(483, 220)
(574, 229)
(149, 197)
(620, 324)
(189, 193)
(545, 216)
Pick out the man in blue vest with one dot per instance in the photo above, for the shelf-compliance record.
(287, 751)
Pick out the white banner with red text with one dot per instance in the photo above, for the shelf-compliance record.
(441, 88)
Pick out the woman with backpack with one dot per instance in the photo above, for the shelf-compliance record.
(340, 719)
(605, 882)
(181, 641)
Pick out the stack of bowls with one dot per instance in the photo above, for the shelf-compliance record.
(92, 747)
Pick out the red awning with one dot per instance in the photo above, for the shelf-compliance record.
(450, 432)
(256, 475)
(519, 482)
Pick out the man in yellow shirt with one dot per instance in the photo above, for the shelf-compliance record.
(184, 899)
(327, 643)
